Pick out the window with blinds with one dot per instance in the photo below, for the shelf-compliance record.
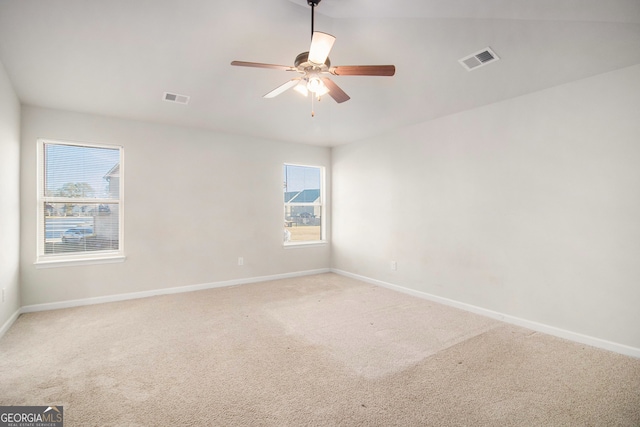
(79, 201)
(303, 204)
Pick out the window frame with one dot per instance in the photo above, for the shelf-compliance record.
(321, 205)
(44, 260)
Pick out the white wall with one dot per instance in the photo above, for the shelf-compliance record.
(194, 202)
(529, 207)
(9, 198)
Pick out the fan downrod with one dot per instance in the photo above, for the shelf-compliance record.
(313, 4)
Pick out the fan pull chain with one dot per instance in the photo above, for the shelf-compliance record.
(313, 113)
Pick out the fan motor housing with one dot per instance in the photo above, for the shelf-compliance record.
(302, 63)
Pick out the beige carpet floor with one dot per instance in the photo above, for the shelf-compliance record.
(321, 350)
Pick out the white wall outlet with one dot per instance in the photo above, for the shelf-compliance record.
(394, 265)
(240, 260)
(3, 294)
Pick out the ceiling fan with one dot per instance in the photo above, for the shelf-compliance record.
(315, 64)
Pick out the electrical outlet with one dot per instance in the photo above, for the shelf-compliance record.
(394, 266)
(3, 294)
(240, 260)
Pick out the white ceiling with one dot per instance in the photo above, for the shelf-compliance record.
(118, 57)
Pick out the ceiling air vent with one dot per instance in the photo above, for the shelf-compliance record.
(478, 59)
(174, 97)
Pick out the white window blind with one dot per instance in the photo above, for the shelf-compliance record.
(303, 204)
(79, 201)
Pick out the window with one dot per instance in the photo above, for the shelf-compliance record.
(79, 202)
(303, 204)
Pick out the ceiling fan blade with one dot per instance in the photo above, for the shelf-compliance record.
(261, 65)
(321, 44)
(363, 70)
(334, 91)
(277, 91)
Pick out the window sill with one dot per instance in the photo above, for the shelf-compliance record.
(293, 245)
(52, 263)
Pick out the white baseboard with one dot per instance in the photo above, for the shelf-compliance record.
(540, 327)
(10, 322)
(551, 330)
(166, 291)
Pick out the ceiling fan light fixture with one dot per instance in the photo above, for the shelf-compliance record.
(301, 88)
(316, 86)
(322, 90)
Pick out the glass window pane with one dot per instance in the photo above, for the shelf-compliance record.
(302, 203)
(79, 200)
(301, 184)
(308, 229)
(75, 227)
(77, 171)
